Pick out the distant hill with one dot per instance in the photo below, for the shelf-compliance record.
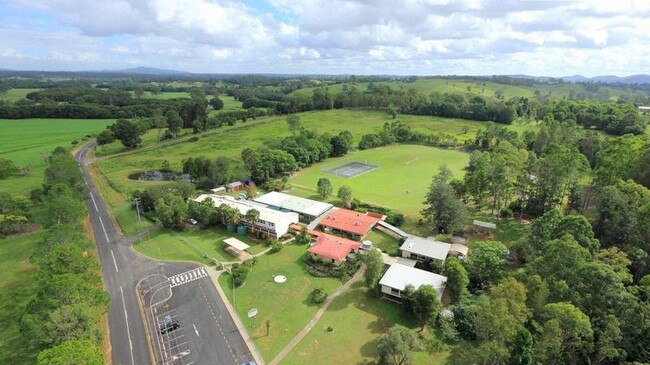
(147, 71)
(611, 79)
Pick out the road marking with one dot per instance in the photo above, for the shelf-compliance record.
(195, 330)
(93, 199)
(114, 262)
(104, 229)
(187, 276)
(128, 331)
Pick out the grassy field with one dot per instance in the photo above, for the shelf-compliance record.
(286, 306)
(191, 244)
(357, 319)
(27, 141)
(14, 95)
(165, 95)
(230, 143)
(400, 182)
(16, 288)
(488, 89)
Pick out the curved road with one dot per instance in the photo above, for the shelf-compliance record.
(207, 330)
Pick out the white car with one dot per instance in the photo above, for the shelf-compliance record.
(192, 221)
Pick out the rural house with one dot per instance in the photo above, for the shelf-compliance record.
(398, 276)
(329, 248)
(424, 249)
(353, 224)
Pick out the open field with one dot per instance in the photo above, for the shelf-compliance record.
(483, 88)
(14, 95)
(165, 95)
(357, 319)
(16, 289)
(286, 306)
(191, 244)
(229, 143)
(229, 104)
(400, 182)
(27, 141)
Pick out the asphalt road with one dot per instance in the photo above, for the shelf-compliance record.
(209, 335)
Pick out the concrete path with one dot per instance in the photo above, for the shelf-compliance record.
(294, 341)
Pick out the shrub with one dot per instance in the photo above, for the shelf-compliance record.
(395, 219)
(318, 296)
(276, 246)
(240, 272)
(505, 213)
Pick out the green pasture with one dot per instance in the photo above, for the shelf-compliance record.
(358, 319)
(14, 95)
(16, 288)
(27, 141)
(483, 88)
(230, 141)
(286, 306)
(192, 244)
(401, 181)
(166, 95)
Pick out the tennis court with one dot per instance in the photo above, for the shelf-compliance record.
(352, 169)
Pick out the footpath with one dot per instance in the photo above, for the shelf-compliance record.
(294, 341)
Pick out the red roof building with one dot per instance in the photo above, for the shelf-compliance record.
(356, 224)
(333, 248)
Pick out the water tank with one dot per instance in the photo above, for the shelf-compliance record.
(241, 229)
(366, 245)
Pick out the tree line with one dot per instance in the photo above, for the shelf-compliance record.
(64, 318)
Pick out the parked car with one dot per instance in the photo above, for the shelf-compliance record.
(168, 324)
(192, 221)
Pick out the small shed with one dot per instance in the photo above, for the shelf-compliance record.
(237, 248)
(486, 225)
(218, 189)
(235, 186)
(458, 249)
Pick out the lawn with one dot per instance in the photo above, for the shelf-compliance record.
(384, 242)
(16, 288)
(286, 306)
(191, 244)
(27, 141)
(14, 95)
(401, 181)
(357, 320)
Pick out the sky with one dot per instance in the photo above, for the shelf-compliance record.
(396, 37)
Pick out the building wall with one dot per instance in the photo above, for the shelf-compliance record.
(390, 291)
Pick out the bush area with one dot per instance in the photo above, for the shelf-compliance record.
(322, 269)
(70, 303)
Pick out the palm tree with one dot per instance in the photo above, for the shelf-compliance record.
(252, 216)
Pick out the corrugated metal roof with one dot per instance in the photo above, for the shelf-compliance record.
(294, 203)
(398, 276)
(426, 247)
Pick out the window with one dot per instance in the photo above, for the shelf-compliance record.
(394, 291)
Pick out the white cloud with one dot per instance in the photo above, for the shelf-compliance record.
(336, 36)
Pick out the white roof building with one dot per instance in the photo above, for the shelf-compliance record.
(271, 221)
(305, 207)
(398, 276)
(418, 248)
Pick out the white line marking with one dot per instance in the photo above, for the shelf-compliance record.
(104, 229)
(93, 199)
(128, 331)
(114, 262)
(195, 330)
